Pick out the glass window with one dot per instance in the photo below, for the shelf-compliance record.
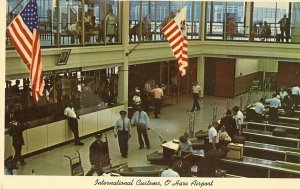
(141, 21)
(295, 22)
(84, 88)
(193, 13)
(70, 22)
(94, 22)
(113, 26)
(266, 21)
(225, 20)
(70, 27)
(163, 16)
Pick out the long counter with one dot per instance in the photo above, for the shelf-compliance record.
(51, 131)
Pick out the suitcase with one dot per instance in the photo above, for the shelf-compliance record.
(239, 139)
(201, 134)
(281, 132)
(156, 157)
(236, 151)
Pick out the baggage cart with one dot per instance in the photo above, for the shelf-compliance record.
(75, 165)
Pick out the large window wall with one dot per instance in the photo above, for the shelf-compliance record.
(74, 22)
(266, 21)
(85, 89)
(90, 22)
(253, 21)
(147, 18)
(225, 20)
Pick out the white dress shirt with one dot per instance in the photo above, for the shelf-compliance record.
(140, 117)
(274, 102)
(70, 112)
(119, 125)
(196, 88)
(158, 93)
(295, 91)
(169, 173)
(212, 132)
(259, 107)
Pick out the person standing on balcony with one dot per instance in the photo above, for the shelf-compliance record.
(111, 24)
(285, 28)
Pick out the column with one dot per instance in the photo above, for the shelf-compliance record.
(248, 18)
(123, 70)
(203, 20)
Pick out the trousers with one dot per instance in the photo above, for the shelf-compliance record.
(142, 133)
(73, 124)
(123, 142)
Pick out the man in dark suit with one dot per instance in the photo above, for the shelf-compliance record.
(229, 122)
(97, 149)
(183, 168)
(15, 130)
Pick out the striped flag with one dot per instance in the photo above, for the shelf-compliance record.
(175, 32)
(25, 36)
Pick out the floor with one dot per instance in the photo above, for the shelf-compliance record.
(172, 124)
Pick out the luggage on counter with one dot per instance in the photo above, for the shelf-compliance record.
(156, 157)
(281, 132)
(236, 151)
(250, 114)
(239, 139)
(201, 134)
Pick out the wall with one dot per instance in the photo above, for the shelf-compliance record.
(59, 132)
(245, 66)
(268, 65)
(247, 70)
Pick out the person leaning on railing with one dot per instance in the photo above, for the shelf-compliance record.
(74, 31)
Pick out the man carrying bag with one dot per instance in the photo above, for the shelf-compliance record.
(141, 120)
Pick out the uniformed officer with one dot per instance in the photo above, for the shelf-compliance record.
(123, 131)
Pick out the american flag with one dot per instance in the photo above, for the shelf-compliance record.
(175, 32)
(25, 36)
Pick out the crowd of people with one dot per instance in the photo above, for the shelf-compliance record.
(220, 134)
(263, 30)
(91, 28)
(59, 91)
(288, 99)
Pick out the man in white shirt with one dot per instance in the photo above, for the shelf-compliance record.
(70, 114)
(74, 31)
(239, 118)
(259, 109)
(274, 105)
(213, 137)
(295, 94)
(196, 91)
(282, 93)
(158, 95)
(141, 120)
(170, 171)
(123, 131)
(147, 96)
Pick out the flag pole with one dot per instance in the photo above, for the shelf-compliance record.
(128, 53)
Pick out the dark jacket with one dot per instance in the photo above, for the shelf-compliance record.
(16, 132)
(97, 151)
(184, 170)
(230, 124)
(208, 164)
